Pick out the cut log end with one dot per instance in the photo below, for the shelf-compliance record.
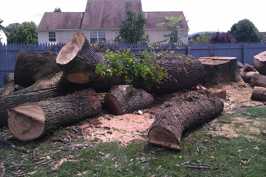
(113, 105)
(71, 49)
(27, 122)
(162, 137)
(78, 78)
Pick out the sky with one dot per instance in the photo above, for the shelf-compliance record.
(202, 15)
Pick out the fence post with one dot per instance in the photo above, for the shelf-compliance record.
(243, 53)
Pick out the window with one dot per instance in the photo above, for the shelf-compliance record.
(52, 37)
(97, 36)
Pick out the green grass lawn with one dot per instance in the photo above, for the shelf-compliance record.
(202, 155)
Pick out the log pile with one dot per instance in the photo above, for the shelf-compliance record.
(60, 90)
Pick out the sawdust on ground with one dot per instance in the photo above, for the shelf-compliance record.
(134, 127)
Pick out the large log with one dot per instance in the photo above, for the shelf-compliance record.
(8, 89)
(125, 99)
(260, 62)
(31, 121)
(220, 69)
(43, 89)
(182, 113)
(31, 67)
(78, 59)
(259, 94)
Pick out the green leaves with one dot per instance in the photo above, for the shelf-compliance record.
(132, 29)
(22, 33)
(245, 31)
(131, 69)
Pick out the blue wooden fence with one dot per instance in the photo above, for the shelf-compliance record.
(243, 52)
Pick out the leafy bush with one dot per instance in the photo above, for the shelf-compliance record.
(245, 31)
(222, 38)
(133, 70)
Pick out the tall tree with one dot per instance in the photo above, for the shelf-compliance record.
(132, 28)
(22, 33)
(57, 10)
(245, 31)
(173, 23)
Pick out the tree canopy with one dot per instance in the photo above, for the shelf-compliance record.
(245, 31)
(57, 10)
(22, 33)
(132, 28)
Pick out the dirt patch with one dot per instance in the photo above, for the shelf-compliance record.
(123, 129)
(238, 96)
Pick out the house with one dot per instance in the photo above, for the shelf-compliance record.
(101, 22)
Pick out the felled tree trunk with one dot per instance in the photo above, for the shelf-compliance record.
(32, 120)
(260, 62)
(125, 99)
(7, 90)
(220, 69)
(41, 90)
(183, 72)
(247, 71)
(259, 94)
(78, 60)
(181, 113)
(31, 67)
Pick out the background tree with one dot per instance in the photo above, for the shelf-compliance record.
(22, 33)
(222, 38)
(57, 10)
(245, 31)
(173, 23)
(200, 38)
(132, 28)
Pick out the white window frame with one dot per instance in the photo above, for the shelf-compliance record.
(98, 35)
(52, 36)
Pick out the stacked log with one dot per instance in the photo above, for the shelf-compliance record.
(260, 62)
(181, 113)
(32, 120)
(31, 67)
(124, 99)
(79, 60)
(259, 94)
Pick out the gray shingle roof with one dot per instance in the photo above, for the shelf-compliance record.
(52, 21)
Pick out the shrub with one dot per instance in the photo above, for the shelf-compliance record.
(133, 70)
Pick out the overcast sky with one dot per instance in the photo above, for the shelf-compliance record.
(202, 15)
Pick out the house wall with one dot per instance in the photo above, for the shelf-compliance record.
(61, 36)
(159, 36)
(154, 36)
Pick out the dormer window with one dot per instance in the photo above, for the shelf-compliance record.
(52, 37)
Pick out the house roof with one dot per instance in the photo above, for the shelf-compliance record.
(105, 14)
(108, 14)
(157, 20)
(52, 21)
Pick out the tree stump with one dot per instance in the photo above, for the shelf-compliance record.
(32, 120)
(31, 67)
(260, 62)
(220, 69)
(124, 99)
(182, 113)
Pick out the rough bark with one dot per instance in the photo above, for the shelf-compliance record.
(78, 60)
(182, 113)
(43, 89)
(125, 99)
(259, 94)
(31, 67)
(183, 72)
(247, 71)
(32, 120)
(260, 62)
(220, 69)
(7, 90)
